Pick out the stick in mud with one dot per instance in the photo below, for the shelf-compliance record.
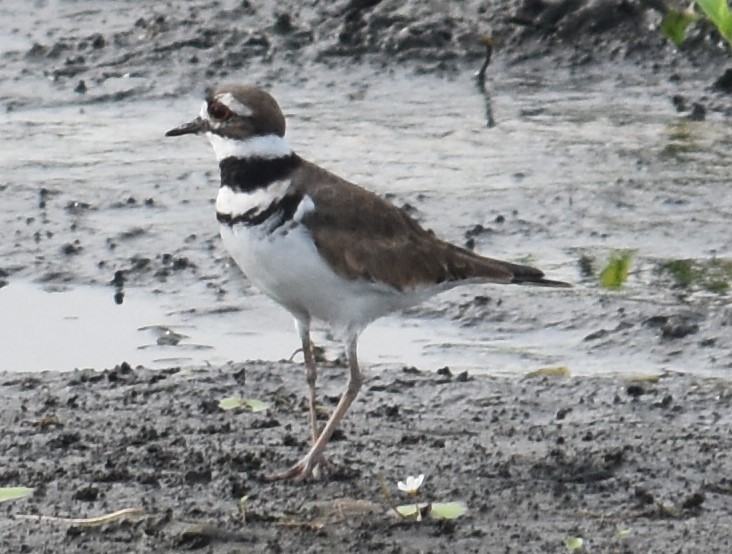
(489, 119)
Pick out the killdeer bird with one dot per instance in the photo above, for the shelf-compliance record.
(321, 247)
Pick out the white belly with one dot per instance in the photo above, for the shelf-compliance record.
(287, 267)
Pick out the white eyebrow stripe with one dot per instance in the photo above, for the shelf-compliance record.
(228, 100)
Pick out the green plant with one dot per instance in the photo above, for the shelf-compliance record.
(711, 275)
(233, 402)
(681, 270)
(717, 11)
(435, 510)
(11, 493)
(676, 22)
(417, 511)
(616, 271)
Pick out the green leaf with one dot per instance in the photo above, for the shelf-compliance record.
(717, 11)
(558, 371)
(410, 510)
(675, 23)
(436, 510)
(11, 493)
(256, 405)
(448, 510)
(643, 378)
(233, 402)
(616, 272)
(230, 403)
(573, 543)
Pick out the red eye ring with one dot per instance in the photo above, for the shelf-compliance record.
(219, 111)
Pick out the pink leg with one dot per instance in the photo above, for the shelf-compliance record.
(311, 376)
(305, 467)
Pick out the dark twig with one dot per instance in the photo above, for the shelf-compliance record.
(488, 43)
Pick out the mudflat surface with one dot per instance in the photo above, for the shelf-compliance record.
(627, 466)
(608, 138)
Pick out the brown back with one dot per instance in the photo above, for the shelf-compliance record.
(363, 236)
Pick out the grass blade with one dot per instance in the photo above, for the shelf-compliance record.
(11, 493)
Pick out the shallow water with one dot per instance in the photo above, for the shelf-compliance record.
(80, 327)
(574, 166)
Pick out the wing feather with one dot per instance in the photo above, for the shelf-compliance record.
(362, 236)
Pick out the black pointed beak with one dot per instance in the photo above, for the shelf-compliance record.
(195, 127)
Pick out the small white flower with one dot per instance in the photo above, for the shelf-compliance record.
(412, 484)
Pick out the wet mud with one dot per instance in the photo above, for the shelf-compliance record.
(91, 54)
(628, 464)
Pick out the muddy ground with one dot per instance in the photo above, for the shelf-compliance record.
(629, 466)
(88, 53)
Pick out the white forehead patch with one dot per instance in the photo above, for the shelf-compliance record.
(228, 100)
(265, 147)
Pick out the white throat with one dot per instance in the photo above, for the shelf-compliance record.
(265, 147)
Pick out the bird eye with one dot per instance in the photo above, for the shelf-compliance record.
(219, 111)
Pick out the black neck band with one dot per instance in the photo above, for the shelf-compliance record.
(246, 174)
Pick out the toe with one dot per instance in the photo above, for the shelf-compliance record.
(308, 467)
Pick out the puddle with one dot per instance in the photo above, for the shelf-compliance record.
(79, 327)
(82, 327)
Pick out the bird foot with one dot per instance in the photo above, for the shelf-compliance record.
(309, 467)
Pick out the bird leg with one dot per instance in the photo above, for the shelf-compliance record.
(311, 375)
(308, 464)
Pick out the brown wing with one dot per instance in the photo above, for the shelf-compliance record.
(363, 236)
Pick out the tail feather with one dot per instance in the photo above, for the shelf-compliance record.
(522, 274)
(541, 283)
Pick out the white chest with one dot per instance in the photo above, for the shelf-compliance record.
(233, 203)
(286, 266)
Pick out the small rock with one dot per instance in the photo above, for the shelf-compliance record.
(444, 372)
(562, 413)
(698, 112)
(643, 495)
(586, 266)
(677, 327)
(87, 494)
(69, 249)
(694, 501)
(679, 103)
(198, 476)
(98, 41)
(596, 335)
(283, 24)
(724, 83)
